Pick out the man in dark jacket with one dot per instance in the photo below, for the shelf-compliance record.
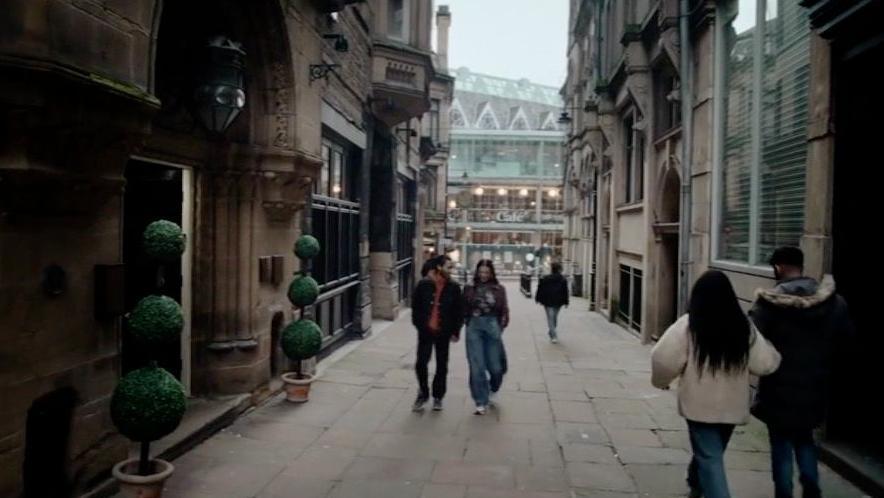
(808, 323)
(437, 314)
(552, 293)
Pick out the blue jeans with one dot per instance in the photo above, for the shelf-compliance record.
(552, 319)
(484, 354)
(706, 471)
(782, 446)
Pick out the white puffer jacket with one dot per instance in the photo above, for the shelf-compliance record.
(722, 398)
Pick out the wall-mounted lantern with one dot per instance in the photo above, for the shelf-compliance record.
(220, 94)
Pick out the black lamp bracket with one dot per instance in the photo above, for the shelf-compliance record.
(319, 71)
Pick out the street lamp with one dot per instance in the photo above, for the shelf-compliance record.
(220, 94)
(564, 117)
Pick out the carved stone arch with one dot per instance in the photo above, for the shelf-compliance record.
(277, 92)
(181, 30)
(636, 99)
(668, 209)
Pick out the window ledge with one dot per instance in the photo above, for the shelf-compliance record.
(744, 268)
(631, 208)
(671, 133)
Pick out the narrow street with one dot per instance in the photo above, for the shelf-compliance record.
(575, 419)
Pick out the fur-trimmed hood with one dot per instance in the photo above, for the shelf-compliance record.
(800, 293)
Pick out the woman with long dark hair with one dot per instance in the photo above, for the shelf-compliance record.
(713, 349)
(487, 315)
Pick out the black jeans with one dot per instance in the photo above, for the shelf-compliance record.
(425, 344)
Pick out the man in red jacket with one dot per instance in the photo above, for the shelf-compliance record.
(437, 314)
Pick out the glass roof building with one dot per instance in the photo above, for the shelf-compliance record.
(505, 171)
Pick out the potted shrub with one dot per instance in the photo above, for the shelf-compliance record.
(302, 339)
(149, 402)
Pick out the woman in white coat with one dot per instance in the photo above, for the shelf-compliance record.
(713, 350)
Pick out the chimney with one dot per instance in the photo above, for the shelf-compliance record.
(443, 25)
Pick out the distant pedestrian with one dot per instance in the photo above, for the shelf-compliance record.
(713, 349)
(437, 314)
(552, 293)
(809, 324)
(487, 315)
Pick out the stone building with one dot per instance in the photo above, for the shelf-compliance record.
(245, 124)
(505, 171)
(709, 154)
(436, 146)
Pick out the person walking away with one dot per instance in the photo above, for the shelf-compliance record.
(552, 294)
(437, 314)
(487, 315)
(712, 349)
(809, 324)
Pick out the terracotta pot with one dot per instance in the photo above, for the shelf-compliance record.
(133, 485)
(297, 390)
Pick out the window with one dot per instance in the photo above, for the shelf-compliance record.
(397, 19)
(634, 152)
(434, 120)
(763, 78)
(629, 308)
(668, 98)
(335, 223)
(335, 180)
(405, 235)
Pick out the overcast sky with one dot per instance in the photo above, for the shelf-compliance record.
(510, 38)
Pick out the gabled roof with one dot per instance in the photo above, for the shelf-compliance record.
(518, 119)
(486, 119)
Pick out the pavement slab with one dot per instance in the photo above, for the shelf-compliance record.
(574, 419)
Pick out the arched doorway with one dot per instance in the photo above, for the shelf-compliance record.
(233, 180)
(666, 226)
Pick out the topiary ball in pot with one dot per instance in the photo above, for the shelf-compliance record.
(301, 340)
(164, 240)
(303, 291)
(306, 247)
(156, 321)
(148, 404)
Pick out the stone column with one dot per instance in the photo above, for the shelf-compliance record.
(818, 199)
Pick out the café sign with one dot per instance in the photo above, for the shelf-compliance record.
(511, 216)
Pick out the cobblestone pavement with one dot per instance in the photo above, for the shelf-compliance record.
(575, 419)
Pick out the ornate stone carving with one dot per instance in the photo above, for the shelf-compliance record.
(284, 194)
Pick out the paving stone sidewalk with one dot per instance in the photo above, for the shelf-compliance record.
(575, 419)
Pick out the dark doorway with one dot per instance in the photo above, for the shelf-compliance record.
(153, 192)
(277, 358)
(668, 218)
(46, 445)
(855, 417)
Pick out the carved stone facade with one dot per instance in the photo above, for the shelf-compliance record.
(780, 110)
(97, 135)
(624, 146)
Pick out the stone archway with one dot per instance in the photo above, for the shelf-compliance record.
(666, 228)
(256, 174)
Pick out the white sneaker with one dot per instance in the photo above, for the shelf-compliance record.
(480, 410)
(492, 398)
(554, 340)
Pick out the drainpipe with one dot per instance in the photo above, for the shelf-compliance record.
(684, 234)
